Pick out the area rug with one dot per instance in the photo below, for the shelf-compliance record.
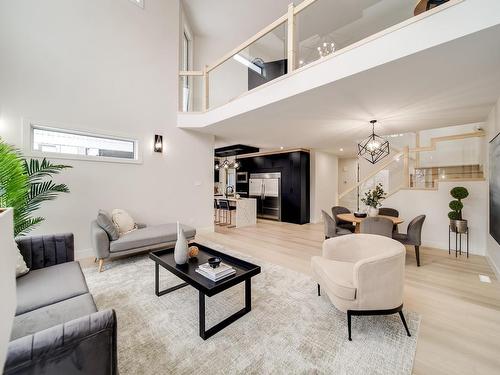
(289, 330)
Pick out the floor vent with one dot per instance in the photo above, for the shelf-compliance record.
(484, 279)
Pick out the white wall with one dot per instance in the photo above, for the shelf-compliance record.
(7, 281)
(112, 67)
(493, 128)
(324, 183)
(434, 204)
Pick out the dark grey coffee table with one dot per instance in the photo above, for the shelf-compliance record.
(244, 272)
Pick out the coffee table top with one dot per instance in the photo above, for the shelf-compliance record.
(186, 272)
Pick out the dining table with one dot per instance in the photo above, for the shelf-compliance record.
(357, 220)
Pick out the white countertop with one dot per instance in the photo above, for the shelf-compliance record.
(232, 199)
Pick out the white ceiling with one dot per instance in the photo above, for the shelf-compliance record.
(451, 84)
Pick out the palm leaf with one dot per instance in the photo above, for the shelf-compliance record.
(37, 170)
(13, 180)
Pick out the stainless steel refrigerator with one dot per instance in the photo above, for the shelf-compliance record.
(266, 188)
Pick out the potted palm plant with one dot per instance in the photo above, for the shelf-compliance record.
(457, 223)
(25, 185)
(373, 198)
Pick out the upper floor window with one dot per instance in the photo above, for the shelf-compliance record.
(79, 145)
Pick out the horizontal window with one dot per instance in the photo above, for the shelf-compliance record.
(81, 145)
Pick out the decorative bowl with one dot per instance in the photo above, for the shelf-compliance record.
(360, 214)
(214, 262)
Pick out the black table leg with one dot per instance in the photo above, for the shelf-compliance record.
(159, 292)
(205, 334)
(467, 242)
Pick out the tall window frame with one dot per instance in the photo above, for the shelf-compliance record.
(186, 65)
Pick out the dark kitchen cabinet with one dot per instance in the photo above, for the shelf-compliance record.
(295, 177)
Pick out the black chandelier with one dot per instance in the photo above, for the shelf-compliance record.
(373, 148)
(226, 164)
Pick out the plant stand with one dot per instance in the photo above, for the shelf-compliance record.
(458, 241)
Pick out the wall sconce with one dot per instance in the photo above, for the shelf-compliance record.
(158, 145)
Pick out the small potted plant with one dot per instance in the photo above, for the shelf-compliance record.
(373, 198)
(457, 223)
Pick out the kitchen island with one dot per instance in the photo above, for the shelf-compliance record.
(245, 213)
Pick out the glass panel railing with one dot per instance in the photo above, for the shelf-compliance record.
(191, 93)
(456, 159)
(262, 61)
(391, 177)
(327, 26)
(350, 200)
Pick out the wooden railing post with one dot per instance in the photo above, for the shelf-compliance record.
(291, 53)
(206, 89)
(406, 167)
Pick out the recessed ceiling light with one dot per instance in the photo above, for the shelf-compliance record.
(281, 148)
(341, 150)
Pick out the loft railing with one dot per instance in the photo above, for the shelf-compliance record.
(448, 158)
(311, 31)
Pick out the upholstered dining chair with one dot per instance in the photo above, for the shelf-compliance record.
(342, 223)
(387, 211)
(413, 235)
(377, 225)
(331, 228)
(362, 274)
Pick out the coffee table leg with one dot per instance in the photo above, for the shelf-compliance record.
(205, 334)
(201, 302)
(248, 295)
(157, 283)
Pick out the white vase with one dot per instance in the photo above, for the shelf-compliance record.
(181, 247)
(372, 211)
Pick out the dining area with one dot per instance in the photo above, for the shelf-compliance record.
(384, 222)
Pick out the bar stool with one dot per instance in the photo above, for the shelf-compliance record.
(226, 209)
(216, 212)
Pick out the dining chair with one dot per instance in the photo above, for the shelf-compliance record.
(216, 212)
(331, 228)
(377, 225)
(336, 210)
(413, 235)
(386, 211)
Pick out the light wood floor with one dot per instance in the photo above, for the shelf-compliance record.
(460, 328)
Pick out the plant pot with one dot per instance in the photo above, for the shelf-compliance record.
(458, 226)
(372, 211)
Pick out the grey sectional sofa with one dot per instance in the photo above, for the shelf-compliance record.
(57, 328)
(142, 239)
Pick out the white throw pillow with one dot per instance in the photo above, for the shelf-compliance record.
(123, 221)
(21, 268)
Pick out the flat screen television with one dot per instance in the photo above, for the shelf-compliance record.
(495, 188)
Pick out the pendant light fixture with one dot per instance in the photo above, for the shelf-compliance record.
(373, 148)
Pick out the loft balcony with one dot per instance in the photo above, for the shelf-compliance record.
(377, 52)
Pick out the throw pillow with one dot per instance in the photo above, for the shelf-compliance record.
(105, 222)
(123, 221)
(21, 268)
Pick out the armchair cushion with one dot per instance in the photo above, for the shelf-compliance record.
(46, 251)
(49, 285)
(148, 236)
(86, 345)
(337, 276)
(52, 315)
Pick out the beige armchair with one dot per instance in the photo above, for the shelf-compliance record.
(362, 274)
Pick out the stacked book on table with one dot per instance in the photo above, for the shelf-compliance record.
(215, 274)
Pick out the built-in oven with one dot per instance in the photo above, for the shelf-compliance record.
(242, 177)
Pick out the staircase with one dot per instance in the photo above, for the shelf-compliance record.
(419, 168)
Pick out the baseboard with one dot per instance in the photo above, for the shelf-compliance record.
(84, 253)
(494, 266)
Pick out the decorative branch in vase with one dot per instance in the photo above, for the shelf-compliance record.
(373, 198)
